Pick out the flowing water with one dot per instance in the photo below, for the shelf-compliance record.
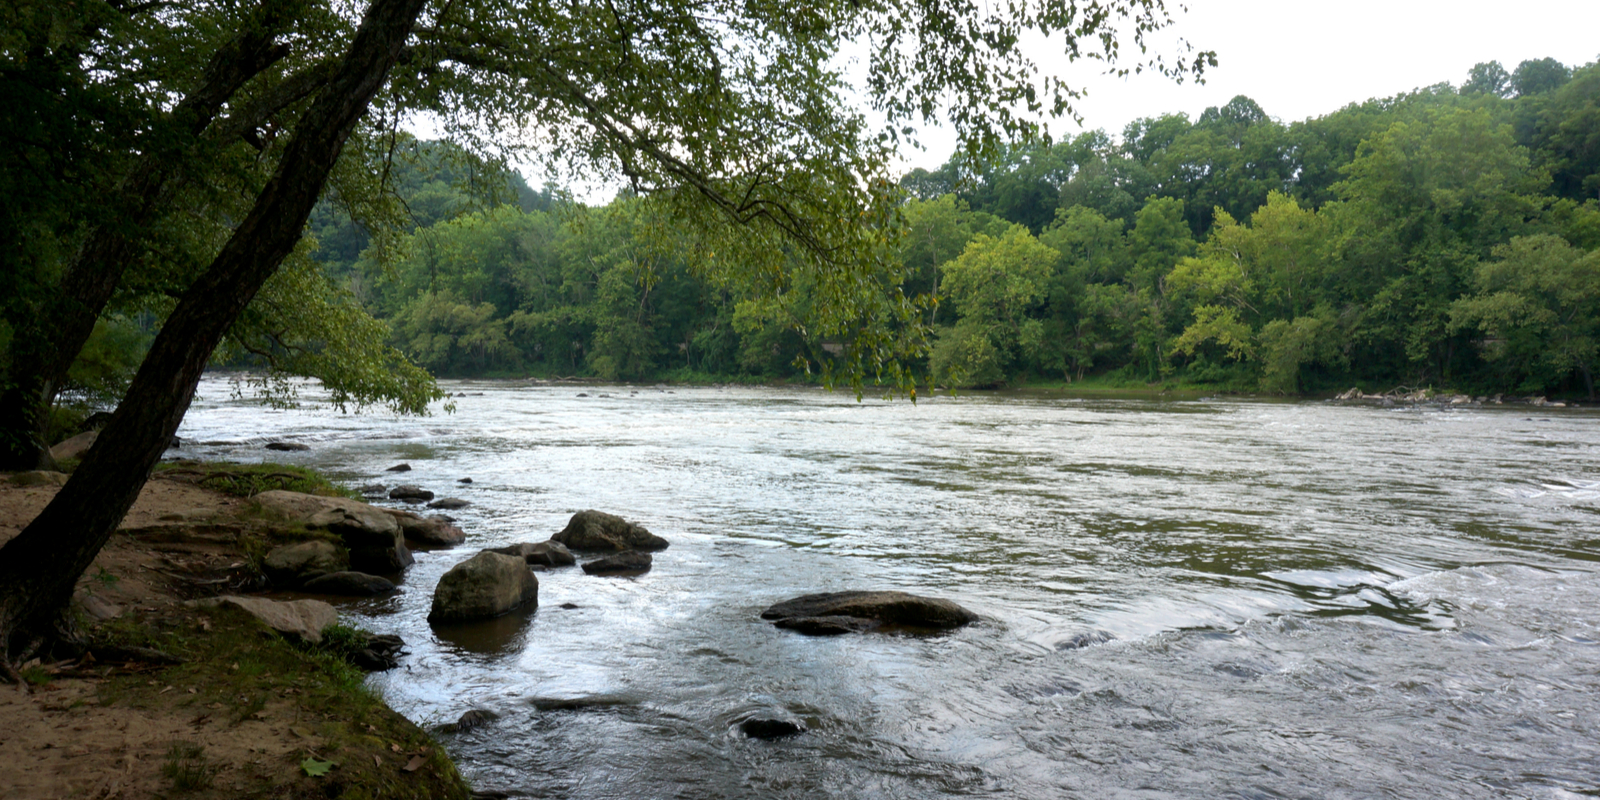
(1213, 598)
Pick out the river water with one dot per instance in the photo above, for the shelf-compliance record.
(1211, 598)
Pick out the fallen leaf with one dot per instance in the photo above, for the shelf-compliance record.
(302, 732)
(376, 761)
(192, 690)
(414, 764)
(164, 691)
(315, 767)
(394, 747)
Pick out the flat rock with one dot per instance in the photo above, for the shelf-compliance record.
(410, 493)
(355, 522)
(295, 619)
(434, 531)
(549, 554)
(449, 503)
(631, 562)
(399, 468)
(597, 530)
(287, 447)
(347, 583)
(74, 447)
(486, 585)
(833, 612)
(292, 564)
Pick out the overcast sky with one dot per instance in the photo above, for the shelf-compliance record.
(1300, 59)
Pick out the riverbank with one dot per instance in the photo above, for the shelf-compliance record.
(172, 699)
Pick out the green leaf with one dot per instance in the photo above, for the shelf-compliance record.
(317, 768)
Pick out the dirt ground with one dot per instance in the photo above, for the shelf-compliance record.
(79, 732)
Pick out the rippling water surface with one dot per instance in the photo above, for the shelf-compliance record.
(1215, 598)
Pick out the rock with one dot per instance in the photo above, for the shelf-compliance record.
(351, 584)
(295, 619)
(433, 531)
(74, 447)
(293, 564)
(380, 652)
(98, 609)
(287, 447)
(629, 562)
(356, 522)
(449, 503)
(410, 493)
(486, 585)
(597, 530)
(399, 468)
(821, 613)
(39, 477)
(464, 480)
(374, 489)
(826, 626)
(771, 727)
(386, 560)
(549, 554)
(476, 718)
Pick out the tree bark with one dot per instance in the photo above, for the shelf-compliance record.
(39, 568)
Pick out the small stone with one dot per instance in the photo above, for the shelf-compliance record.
(464, 480)
(374, 490)
(449, 503)
(399, 468)
(627, 563)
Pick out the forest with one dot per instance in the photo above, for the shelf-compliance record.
(1446, 237)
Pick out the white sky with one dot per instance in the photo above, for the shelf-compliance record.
(1299, 59)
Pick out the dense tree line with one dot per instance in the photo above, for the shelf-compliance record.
(1443, 237)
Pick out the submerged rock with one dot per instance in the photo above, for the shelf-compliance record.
(476, 718)
(771, 727)
(374, 489)
(831, 613)
(631, 562)
(379, 652)
(597, 530)
(399, 468)
(287, 447)
(486, 585)
(449, 503)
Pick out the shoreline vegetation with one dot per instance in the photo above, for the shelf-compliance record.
(172, 698)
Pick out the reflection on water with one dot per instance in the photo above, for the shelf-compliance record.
(1181, 599)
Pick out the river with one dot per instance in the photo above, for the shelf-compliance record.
(1181, 599)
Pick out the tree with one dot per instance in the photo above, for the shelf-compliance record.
(677, 97)
(1539, 75)
(1538, 304)
(991, 285)
(1488, 77)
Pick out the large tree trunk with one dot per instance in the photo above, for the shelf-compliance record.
(39, 568)
(45, 345)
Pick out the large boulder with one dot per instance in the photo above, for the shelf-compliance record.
(295, 619)
(847, 612)
(434, 531)
(597, 530)
(373, 535)
(74, 447)
(486, 585)
(548, 554)
(292, 564)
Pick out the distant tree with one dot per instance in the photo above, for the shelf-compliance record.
(1537, 76)
(1488, 77)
